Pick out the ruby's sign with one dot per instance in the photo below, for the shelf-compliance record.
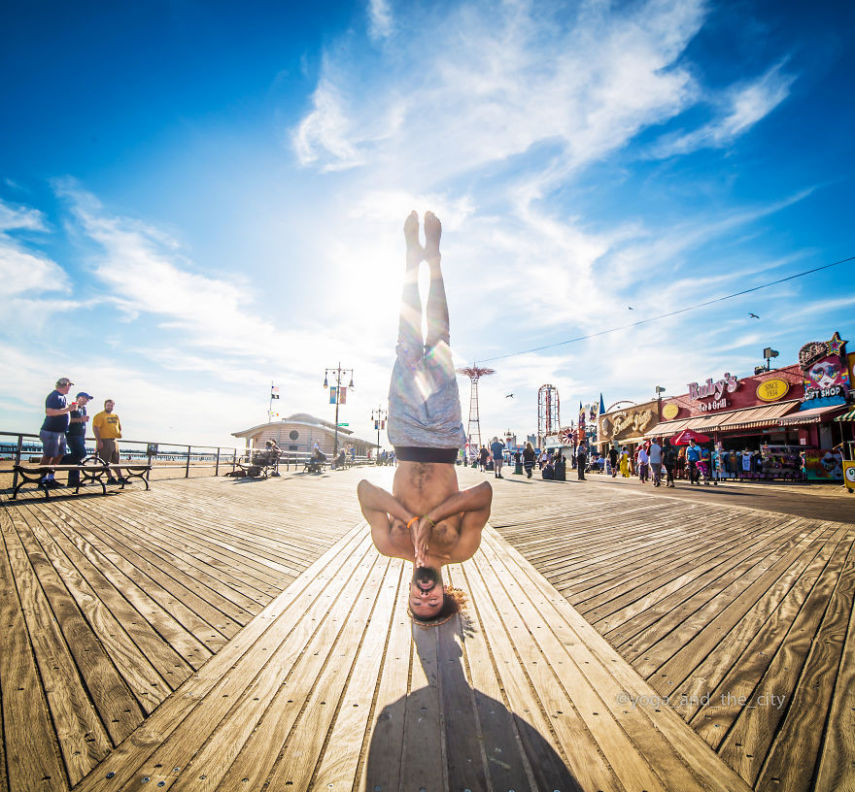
(715, 389)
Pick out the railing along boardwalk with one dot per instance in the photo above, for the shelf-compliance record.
(222, 634)
(716, 607)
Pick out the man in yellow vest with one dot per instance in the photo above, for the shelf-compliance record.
(107, 429)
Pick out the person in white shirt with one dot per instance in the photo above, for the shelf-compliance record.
(655, 454)
(643, 460)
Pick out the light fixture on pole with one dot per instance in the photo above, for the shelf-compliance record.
(337, 399)
(768, 354)
(659, 391)
(379, 417)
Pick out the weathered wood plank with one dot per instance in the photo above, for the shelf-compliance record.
(308, 647)
(798, 734)
(586, 763)
(792, 662)
(508, 765)
(193, 652)
(577, 634)
(82, 738)
(382, 766)
(30, 749)
(346, 740)
(595, 715)
(753, 642)
(213, 679)
(836, 760)
(136, 652)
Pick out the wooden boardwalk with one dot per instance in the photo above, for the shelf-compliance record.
(719, 609)
(214, 634)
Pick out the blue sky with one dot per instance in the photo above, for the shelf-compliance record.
(197, 199)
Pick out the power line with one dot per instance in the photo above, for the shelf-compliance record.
(670, 313)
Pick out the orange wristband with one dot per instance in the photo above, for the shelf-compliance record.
(415, 519)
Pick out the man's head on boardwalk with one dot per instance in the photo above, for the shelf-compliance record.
(430, 602)
(426, 593)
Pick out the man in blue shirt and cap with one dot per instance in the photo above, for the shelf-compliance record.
(53, 429)
(75, 437)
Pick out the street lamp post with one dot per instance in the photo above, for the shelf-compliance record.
(378, 416)
(338, 371)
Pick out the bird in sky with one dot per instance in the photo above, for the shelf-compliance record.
(629, 308)
(509, 396)
(753, 316)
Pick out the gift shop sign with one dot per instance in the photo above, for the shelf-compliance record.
(825, 372)
(714, 389)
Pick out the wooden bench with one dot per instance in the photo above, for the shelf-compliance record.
(259, 464)
(140, 470)
(91, 470)
(315, 465)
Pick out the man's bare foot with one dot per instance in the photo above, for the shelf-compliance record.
(411, 234)
(433, 231)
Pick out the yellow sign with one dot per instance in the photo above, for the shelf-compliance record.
(772, 389)
(670, 411)
(849, 475)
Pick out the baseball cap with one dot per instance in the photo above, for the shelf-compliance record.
(84, 393)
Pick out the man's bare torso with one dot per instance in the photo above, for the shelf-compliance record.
(420, 486)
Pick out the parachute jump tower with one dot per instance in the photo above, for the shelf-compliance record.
(548, 412)
(473, 431)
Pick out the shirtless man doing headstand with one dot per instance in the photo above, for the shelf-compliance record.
(426, 519)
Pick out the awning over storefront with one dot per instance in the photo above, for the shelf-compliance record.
(847, 416)
(812, 416)
(669, 428)
(746, 418)
(755, 417)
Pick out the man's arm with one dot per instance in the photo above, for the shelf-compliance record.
(474, 504)
(473, 500)
(52, 411)
(379, 508)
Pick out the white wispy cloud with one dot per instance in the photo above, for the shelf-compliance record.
(485, 111)
(481, 83)
(380, 19)
(737, 110)
(24, 270)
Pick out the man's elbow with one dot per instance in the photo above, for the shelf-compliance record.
(363, 490)
(485, 494)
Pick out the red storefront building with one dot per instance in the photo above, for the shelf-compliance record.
(784, 418)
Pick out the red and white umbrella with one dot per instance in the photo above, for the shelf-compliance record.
(687, 435)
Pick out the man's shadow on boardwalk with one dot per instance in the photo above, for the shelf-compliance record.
(450, 729)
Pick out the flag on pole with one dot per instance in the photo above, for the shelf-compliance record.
(274, 391)
(342, 397)
(602, 405)
(581, 416)
(332, 394)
